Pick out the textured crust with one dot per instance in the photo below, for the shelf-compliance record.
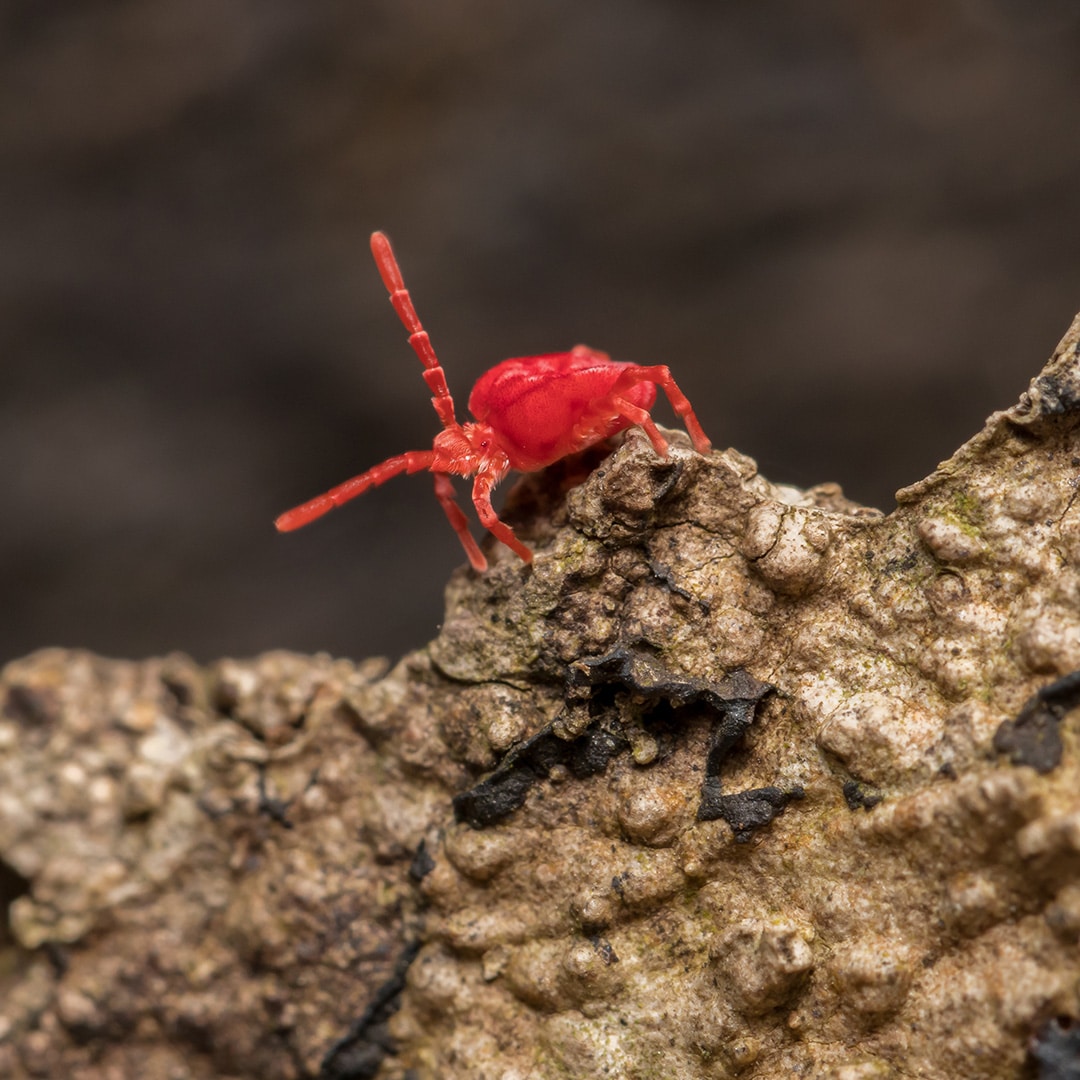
(749, 781)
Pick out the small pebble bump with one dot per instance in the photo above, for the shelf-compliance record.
(786, 546)
(652, 813)
(872, 977)
(949, 541)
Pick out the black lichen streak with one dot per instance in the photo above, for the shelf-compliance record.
(901, 564)
(422, 863)
(506, 788)
(604, 950)
(1056, 1049)
(633, 669)
(1033, 737)
(856, 795)
(734, 698)
(1058, 395)
(747, 811)
(359, 1054)
(730, 726)
(664, 574)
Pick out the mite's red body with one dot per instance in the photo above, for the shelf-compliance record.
(530, 412)
(545, 407)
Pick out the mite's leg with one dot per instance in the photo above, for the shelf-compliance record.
(639, 416)
(434, 375)
(661, 375)
(409, 462)
(502, 532)
(444, 491)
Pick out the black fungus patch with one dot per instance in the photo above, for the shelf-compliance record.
(734, 699)
(901, 564)
(1056, 1049)
(604, 950)
(1059, 395)
(859, 795)
(527, 764)
(1034, 738)
(422, 863)
(747, 811)
(632, 669)
(360, 1053)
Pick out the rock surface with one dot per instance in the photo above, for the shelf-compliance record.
(735, 780)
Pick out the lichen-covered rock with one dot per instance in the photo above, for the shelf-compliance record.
(200, 882)
(734, 780)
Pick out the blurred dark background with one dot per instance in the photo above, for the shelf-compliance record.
(850, 228)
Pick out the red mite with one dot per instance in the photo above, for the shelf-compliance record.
(530, 412)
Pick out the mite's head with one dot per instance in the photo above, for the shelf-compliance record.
(465, 449)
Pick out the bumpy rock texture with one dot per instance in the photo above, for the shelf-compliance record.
(735, 780)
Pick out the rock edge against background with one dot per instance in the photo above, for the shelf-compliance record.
(736, 779)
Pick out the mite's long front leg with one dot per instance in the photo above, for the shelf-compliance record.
(409, 462)
(660, 374)
(502, 532)
(444, 491)
(434, 375)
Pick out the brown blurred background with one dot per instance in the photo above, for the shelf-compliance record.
(851, 229)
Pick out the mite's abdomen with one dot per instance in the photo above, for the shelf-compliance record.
(545, 407)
